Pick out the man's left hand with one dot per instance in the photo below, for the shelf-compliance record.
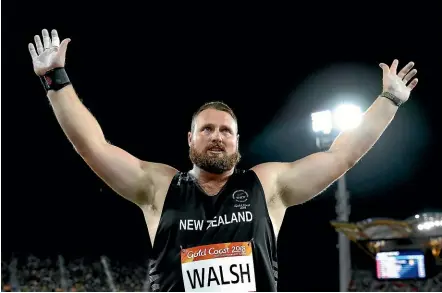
(396, 83)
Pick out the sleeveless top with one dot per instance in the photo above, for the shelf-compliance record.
(231, 223)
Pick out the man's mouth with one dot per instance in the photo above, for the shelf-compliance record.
(216, 149)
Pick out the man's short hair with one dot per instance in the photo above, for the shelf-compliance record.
(217, 105)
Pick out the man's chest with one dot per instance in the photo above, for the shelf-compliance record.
(200, 214)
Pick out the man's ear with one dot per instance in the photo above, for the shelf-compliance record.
(189, 138)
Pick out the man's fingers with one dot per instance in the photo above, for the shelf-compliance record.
(55, 38)
(31, 48)
(410, 75)
(405, 70)
(393, 67)
(413, 84)
(46, 39)
(38, 44)
(385, 68)
(64, 47)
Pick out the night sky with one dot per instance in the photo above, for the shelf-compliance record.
(143, 71)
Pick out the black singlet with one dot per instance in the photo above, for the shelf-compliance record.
(190, 218)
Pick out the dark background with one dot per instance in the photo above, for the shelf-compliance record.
(143, 71)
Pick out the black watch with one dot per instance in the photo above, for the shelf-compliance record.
(392, 98)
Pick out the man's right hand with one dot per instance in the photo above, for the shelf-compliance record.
(144, 183)
(49, 55)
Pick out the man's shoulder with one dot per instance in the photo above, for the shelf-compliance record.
(157, 175)
(153, 169)
(156, 182)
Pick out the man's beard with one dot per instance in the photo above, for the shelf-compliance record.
(216, 164)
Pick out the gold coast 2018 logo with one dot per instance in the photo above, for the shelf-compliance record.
(241, 197)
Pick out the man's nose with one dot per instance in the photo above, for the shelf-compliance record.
(216, 135)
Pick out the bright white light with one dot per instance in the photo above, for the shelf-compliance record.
(344, 117)
(417, 216)
(429, 225)
(347, 117)
(322, 122)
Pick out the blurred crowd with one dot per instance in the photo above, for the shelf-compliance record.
(364, 281)
(76, 275)
(33, 274)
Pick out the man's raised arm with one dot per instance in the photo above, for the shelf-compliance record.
(299, 181)
(125, 174)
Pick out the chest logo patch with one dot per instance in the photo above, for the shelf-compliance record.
(241, 197)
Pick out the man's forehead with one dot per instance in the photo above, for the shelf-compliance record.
(217, 117)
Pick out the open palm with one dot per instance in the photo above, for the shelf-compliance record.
(398, 84)
(50, 54)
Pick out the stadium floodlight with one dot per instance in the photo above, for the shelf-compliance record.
(322, 122)
(347, 117)
(344, 117)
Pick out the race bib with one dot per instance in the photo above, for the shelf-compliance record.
(218, 267)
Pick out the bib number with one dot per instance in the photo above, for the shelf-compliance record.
(218, 267)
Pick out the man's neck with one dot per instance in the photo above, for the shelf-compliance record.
(204, 177)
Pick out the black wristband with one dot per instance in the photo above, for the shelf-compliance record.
(55, 79)
(392, 98)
